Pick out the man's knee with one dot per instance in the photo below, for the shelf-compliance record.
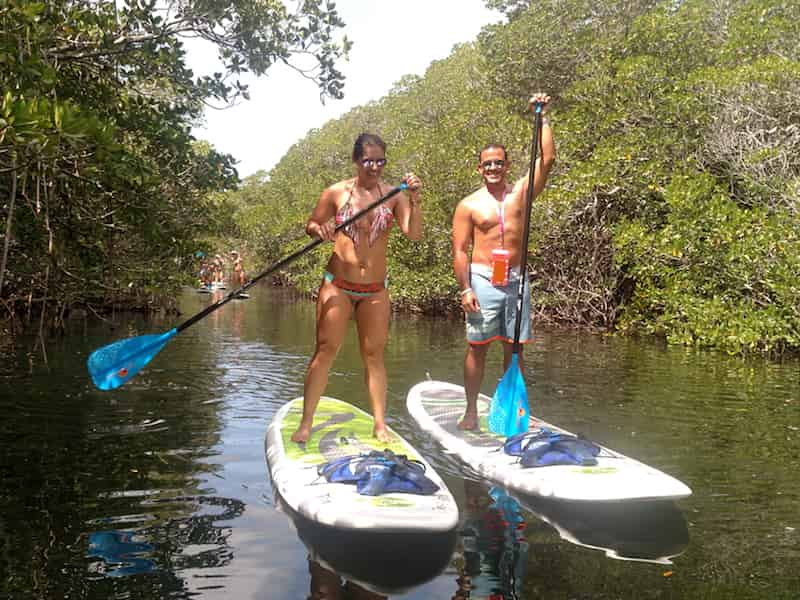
(477, 351)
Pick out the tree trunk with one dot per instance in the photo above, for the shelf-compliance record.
(9, 220)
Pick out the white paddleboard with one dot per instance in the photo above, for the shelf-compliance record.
(341, 429)
(438, 406)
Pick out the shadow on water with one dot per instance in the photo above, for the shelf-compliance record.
(648, 531)
(381, 562)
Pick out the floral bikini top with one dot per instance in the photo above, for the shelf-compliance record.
(381, 221)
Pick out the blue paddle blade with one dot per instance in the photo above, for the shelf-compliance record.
(508, 414)
(507, 505)
(112, 365)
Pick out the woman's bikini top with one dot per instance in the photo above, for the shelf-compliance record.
(381, 221)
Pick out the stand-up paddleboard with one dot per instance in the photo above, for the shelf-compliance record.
(340, 429)
(438, 406)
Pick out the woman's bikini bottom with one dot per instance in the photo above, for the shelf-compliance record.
(357, 290)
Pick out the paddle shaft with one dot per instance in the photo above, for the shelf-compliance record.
(523, 265)
(286, 260)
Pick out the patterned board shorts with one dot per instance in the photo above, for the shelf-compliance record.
(497, 316)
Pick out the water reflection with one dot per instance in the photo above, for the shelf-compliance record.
(120, 552)
(381, 563)
(328, 585)
(186, 533)
(646, 531)
(494, 546)
(504, 535)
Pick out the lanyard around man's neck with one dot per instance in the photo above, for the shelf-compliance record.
(500, 215)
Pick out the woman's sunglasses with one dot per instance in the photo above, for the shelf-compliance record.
(371, 162)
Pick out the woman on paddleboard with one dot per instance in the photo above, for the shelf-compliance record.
(355, 278)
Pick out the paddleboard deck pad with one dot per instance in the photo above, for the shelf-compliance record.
(438, 406)
(341, 429)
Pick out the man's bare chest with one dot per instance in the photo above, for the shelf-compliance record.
(498, 215)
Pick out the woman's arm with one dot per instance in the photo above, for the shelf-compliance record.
(319, 224)
(408, 211)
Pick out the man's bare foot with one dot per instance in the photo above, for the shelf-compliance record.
(468, 422)
(382, 434)
(302, 434)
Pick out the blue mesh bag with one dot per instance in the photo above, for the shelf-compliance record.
(379, 472)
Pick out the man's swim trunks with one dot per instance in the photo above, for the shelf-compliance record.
(497, 316)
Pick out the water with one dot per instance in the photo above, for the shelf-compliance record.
(160, 489)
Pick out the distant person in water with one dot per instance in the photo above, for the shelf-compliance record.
(355, 278)
(488, 228)
(219, 270)
(239, 276)
(205, 274)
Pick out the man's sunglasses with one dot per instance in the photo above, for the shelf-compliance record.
(488, 164)
(371, 162)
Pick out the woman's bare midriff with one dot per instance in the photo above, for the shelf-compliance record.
(367, 265)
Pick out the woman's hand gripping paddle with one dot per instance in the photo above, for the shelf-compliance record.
(113, 365)
(509, 412)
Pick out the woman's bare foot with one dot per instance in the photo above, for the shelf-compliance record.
(302, 434)
(469, 421)
(382, 434)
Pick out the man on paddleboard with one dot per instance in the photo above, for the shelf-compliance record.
(490, 222)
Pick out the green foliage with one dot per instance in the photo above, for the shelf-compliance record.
(556, 43)
(717, 274)
(762, 28)
(107, 196)
(751, 136)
